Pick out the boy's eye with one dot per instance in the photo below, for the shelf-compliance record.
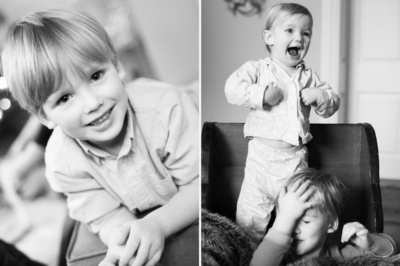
(307, 34)
(289, 30)
(97, 75)
(63, 99)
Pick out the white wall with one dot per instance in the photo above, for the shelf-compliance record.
(228, 41)
(170, 30)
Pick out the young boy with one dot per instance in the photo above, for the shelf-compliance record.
(307, 211)
(126, 155)
(279, 90)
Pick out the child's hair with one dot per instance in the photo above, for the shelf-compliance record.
(328, 191)
(44, 47)
(285, 8)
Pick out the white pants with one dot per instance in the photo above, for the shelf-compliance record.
(266, 172)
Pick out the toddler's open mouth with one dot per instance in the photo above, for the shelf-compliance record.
(293, 51)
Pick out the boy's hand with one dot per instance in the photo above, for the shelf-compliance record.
(139, 242)
(358, 234)
(292, 204)
(272, 95)
(310, 95)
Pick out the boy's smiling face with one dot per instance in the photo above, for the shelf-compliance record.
(92, 109)
(289, 38)
(310, 233)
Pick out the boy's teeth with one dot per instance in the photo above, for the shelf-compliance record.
(101, 119)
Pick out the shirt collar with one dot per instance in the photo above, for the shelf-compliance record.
(274, 65)
(129, 143)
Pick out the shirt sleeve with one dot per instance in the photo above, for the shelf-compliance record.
(351, 251)
(329, 102)
(272, 249)
(180, 148)
(241, 87)
(88, 201)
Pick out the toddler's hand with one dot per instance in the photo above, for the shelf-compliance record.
(272, 95)
(294, 202)
(310, 95)
(358, 234)
(139, 242)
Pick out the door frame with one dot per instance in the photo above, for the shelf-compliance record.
(334, 51)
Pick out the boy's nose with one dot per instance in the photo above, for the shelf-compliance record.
(91, 102)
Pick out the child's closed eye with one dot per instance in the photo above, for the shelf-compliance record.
(306, 222)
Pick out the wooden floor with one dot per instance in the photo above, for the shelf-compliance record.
(390, 190)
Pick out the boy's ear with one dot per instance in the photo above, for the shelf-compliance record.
(333, 226)
(268, 37)
(121, 71)
(48, 123)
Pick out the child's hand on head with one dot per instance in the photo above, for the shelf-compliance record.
(293, 201)
(310, 95)
(136, 243)
(358, 234)
(272, 95)
(292, 204)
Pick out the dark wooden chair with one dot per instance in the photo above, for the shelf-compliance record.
(348, 151)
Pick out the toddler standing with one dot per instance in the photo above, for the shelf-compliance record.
(279, 90)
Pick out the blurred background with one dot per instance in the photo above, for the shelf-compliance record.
(355, 47)
(154, 39)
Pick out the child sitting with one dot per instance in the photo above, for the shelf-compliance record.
(307, 211)
(126, 155)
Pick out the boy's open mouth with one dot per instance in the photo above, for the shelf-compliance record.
(293, 51)
(102, 119)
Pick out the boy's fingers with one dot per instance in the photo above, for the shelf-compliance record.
(154, 250)
(142, 255)
(348, 232)
(106, 263)
(122, 235)
(294, 186)
(363, 232)
(111, 259)
(303, 187)
(307, 195)
(282, 192)
(129, 251)
(153, 260)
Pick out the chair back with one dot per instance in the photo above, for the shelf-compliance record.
(348, 151)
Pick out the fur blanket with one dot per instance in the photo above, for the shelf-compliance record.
(224, 243)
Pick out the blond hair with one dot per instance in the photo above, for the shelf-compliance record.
(328, 191)
(43, 46)
(285, 8)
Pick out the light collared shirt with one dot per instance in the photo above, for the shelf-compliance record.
(289, 119)
(159, 156)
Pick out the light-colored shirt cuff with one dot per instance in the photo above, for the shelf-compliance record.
(391, 249)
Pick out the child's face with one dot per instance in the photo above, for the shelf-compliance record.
(92, 108)
(310, 233)
(289, 39)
